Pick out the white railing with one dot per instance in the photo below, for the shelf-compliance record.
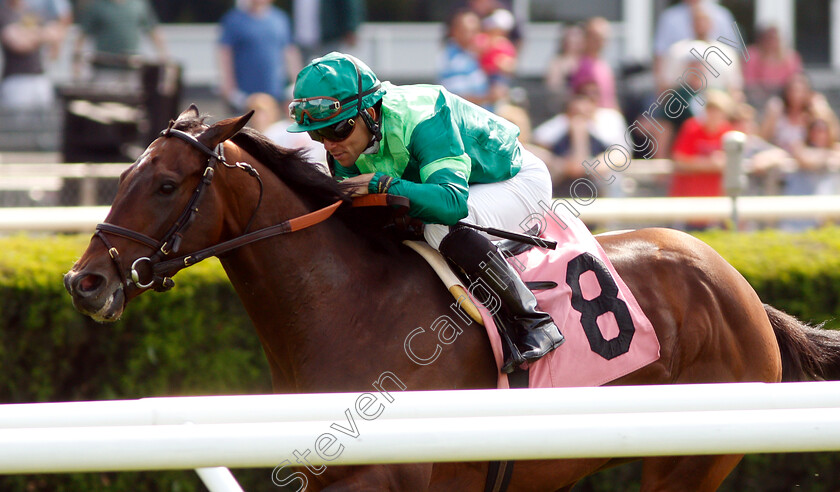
(612, 211)
(669, 210)
(42, 178)
(403, 427)
(51, 219)
(410, 404)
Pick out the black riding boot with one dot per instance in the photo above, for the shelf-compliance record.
(528, 333)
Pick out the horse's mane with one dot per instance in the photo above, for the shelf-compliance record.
(292, 166)
(301, 174)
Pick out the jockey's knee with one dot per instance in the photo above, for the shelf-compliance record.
(434, 233)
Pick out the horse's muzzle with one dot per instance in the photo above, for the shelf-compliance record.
(95, 296)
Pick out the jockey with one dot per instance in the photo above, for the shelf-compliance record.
(453, 160)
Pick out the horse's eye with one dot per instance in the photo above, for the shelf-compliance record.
(166, 188)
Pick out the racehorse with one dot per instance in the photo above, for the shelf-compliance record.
(333, 299)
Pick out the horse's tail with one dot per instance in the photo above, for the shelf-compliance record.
(809, 353)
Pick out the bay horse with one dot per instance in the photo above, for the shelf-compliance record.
(332, 300)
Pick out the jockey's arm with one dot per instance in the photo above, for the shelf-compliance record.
(444, 168)
(440, 199)
(436, 177)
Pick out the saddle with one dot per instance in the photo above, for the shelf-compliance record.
(607, 333)
(587, 358)
(453, 283)
(401, 220)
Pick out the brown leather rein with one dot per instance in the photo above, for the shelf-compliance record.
(160, 271)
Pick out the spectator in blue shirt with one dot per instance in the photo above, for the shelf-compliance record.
(458, 67)
(256, 52)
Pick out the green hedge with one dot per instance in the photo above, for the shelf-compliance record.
(196, 340)
(798, 273)
(193, 340)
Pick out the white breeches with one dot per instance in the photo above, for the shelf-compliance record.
(504, 205)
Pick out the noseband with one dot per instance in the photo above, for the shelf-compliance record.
(160, 271)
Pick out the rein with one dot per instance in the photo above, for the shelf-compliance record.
(162, 271)
(284, 227)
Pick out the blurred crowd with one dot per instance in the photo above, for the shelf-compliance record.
(708, 79)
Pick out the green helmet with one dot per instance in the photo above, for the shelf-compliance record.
(331, 89)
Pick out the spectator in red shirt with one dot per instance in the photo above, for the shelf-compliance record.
(497, 54)
(698, 154)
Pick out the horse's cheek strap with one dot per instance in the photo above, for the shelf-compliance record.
(115, 257)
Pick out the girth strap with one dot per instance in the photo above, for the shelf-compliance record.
(498, 476)
(500, 472)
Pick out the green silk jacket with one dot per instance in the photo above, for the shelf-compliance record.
(434, 145)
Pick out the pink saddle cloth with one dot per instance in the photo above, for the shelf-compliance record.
(607, 334)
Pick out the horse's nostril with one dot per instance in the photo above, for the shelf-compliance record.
(68, 282)
(90, 283)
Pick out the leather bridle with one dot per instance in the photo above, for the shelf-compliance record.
(160, 271)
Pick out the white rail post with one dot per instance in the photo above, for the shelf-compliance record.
(733, 145)
(87, 187)
(218, 479)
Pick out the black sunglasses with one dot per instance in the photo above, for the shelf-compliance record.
(334, 133)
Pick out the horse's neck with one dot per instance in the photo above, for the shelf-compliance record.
(288, 286)
(289, 283)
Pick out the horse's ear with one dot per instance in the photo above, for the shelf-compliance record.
(223, 130)
(191, 112)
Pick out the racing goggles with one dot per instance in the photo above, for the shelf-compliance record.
(321, 108)
(334, 133)
(316, 108)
